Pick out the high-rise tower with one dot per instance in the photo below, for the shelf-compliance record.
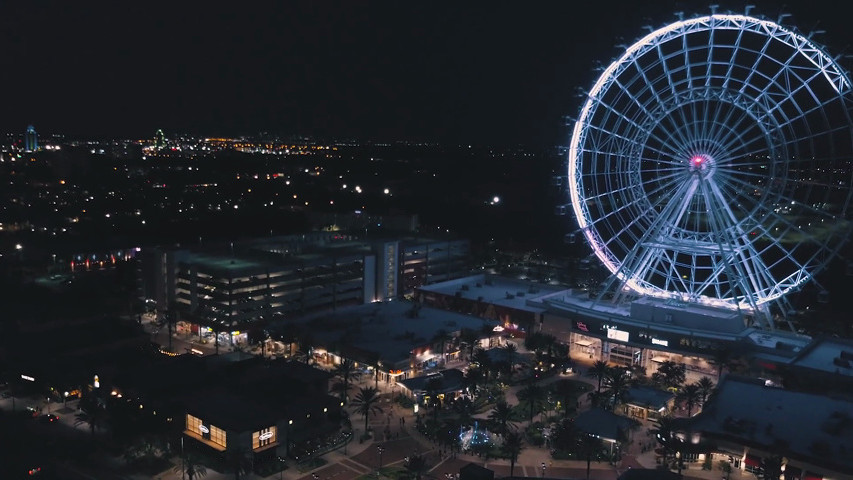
(31, 139)
(159, 139)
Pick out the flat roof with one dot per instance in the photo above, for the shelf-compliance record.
(607, 425)
(827, 354)
(814, 428)
(389, 329)
(497, 290)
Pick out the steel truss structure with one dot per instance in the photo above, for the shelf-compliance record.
(711, 162)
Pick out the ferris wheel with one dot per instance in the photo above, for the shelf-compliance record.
(711, 162)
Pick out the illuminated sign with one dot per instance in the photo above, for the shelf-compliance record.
(28, 378)
(662, 343)
(619, 335)
(265, 436)
(203, 429)
(582, 326)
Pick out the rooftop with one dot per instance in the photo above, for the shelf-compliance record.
(607, 425)
(496, 290)
(648, 396)
(813, 428)
(832, 355)
(390, 329)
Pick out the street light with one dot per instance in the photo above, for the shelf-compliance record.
(380, 449)
(287, 446)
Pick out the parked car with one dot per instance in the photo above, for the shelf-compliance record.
(48, 418)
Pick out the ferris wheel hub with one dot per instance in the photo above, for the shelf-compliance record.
(701, 165)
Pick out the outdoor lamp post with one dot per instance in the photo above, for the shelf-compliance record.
(64, 399)
(287, 446)
(380, 449)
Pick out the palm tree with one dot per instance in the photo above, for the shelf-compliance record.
(306, 343)
(772, 467)
(588, 447)
(433, 388)
(706, 386)
(670, 374)
(598, 370)
(510, 351)
(566, 392)
(513, 444)
(723, 357)
(472, 379)
(481, 358)
(238, 461)
(690, 395)
(417, 466)
(441, 337)
(191, 466)
(665, 433)
(469, 338)
(534, 396)
(366, 401)
(464, 407)
(501, 417)
(347, 371)
(618, 382)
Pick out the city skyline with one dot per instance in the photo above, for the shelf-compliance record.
(467, 74)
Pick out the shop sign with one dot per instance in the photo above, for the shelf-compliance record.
(582, 326)
(618, 335)
(28, 378)
(203, 429)
(265, 436)
(662, 343)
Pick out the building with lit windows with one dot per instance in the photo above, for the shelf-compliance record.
(31, 139)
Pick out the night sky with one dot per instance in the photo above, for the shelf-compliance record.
(483, 73)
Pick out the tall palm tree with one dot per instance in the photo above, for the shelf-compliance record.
(598, 370)
(510, 351)
(567, 392)
(191, 466)
(366, 401)
(665, 433)
(690, 395)
(618, 382)
(469, 338)
(481, 358)
(441, 337)
(433, 388)
(723, 357)
(513, 444)
(706, 386)
(347, 371)
(473, 378)
(534, 396)
(306, 343)
(238, 461)
(501, 417)
(588, 447)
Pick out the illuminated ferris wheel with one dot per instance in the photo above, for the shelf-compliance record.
(711, 162)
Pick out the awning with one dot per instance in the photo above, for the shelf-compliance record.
(583, 343)
(752, 461)
(659, 359)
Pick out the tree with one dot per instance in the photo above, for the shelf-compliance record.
(238, 461)
(772, 466)
(469, 338)
(473, 378)
(306, 343)
(665, 433)
(706, 386)
(433, 388)
(587, 447)
(510, 351)
(465, 409)
(482, 359)
(417, 466)
(441, 337)
(670, 374)
(513, 444)
(690, 395)
(534, 397)
(191, 466)
(598, 370)
(617, 382)
(723, 357)
(366, 401)
(567, 392)
(726, 468)
(346, 371)
(501, 417)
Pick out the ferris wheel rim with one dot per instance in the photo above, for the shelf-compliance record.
(835, 76)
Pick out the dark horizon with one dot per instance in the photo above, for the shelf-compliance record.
(482, 74)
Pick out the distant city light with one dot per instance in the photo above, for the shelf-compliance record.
(386, 191)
